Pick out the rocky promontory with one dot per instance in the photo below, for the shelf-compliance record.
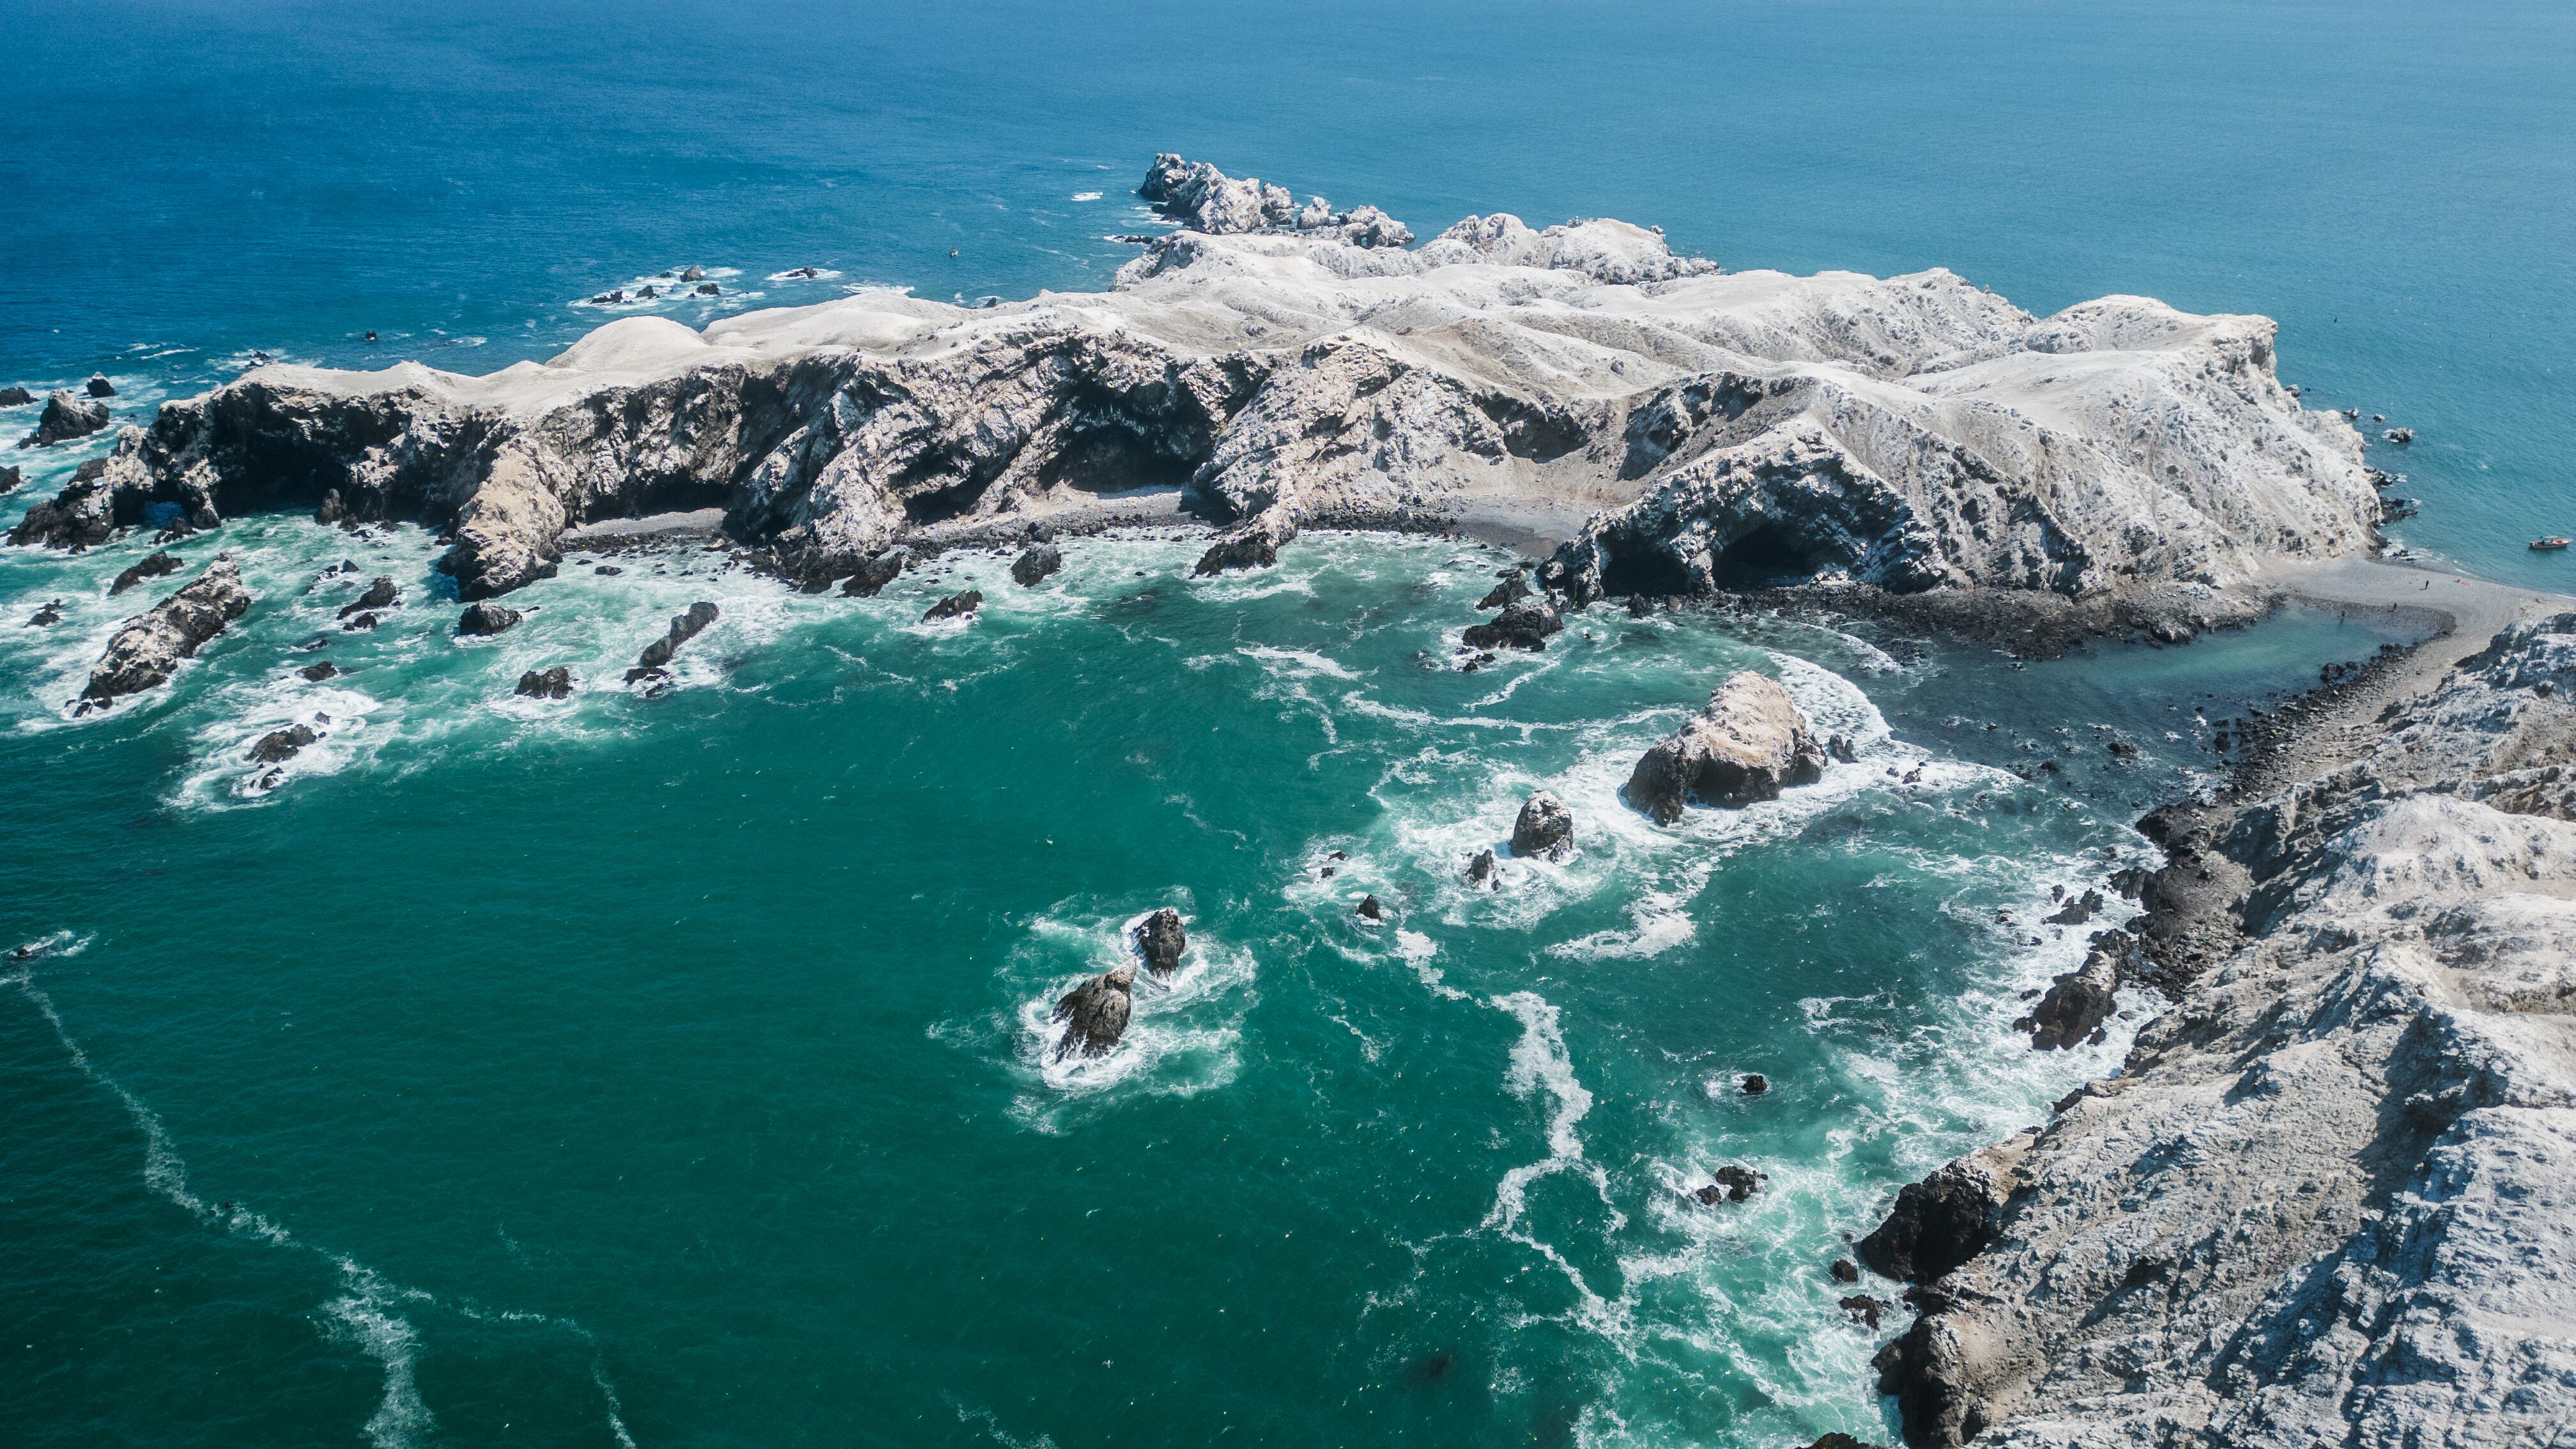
(2325, 1199)
(1276, 366)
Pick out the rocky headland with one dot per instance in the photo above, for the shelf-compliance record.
(2325, 1199)
(1272, 366)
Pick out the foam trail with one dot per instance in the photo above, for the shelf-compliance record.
(364, 1314)
(1540, 1061)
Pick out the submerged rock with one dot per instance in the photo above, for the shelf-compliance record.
(552, 683)
(1755, 1084)
(316, 673)
(1544, 829)
(1522, 625)
(47, 616)
(1749, 744)
(1733, 1183)
(955, 606)
(486, 618)
(1035, 564)
(1161, 939)
(147, 650)
(65, 417)
(154, 565)
(1095, 1013)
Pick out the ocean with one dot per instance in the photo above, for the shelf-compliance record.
(672, 1071)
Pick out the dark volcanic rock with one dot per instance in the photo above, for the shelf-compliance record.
(1161, 939)
(1938, 1224)
(15, 397)
(10, 478)
(279, 746)
(82, 515)
(48, 616)
(1755, 1084)
(554, 683)
(486, 618)
(1481, 870)
(150, 645)
(319, 672)
(1511, 590)
(380, 594)
(154, 566)
(955, 606)
(1523, 625)
(1369, 910)
(1095, 1013)
(1544, 828)
(1748, 745)
(2081, 1000)
(2077, 911)
(65, 417)
(1845, 1271)
(875, 573)
(1253, 548)
(1039, 561)
(684, 627)
(99, 386)
(1732, 1183)
(360, 624)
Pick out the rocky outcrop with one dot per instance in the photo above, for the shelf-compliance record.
(1749, 744)
(2323, 1201)
(1035, 564)
(147, 650)
(486, 618)
(278, 746)
(99, 386)
(874, 573)
(380, 593)
(1522, 625)
(157, 564)
(684, 627)
(1206, 200)
(955, 606)
(1728, 428)
(15, 397)
(1544, 830)
(81, 516)
(65, 417)
(2078, 1002)
(550, 683)
(1095, 1013)
(10, 478)
(1161, 939)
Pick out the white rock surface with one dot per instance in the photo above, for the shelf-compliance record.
(2327, 1201)
(1915, 430)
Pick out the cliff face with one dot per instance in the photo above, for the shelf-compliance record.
(1731, 429)
(2327, 1198)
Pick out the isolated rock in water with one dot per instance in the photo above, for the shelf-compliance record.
(149, 647)
(1522, 625)
(684, 627)
(316, 673)
(2400, 436)
(278, 746)
(99, 386)
(1842, 749)
(554, 683)
(1369, 910)
(2076, 912)
(1482, 871)
(380, 594)
(1844, 1271)
(486, 618)
(361, 624)
(1749, 744)
(955, 606)
(1756, 1084)
(1095, 1013)
(10, 478)
(1940, 1222)
(692, 274)
(1039, 561)
(65, 417)
(1545, 828)
(153, 566)
(1510, 591)
(15, 397)
(2080, 1000)
(1252, 548)
(1733, 1184)
(47, 616)
(1161, 938)
(875, 572)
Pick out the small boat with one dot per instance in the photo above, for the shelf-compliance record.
(2548, 545)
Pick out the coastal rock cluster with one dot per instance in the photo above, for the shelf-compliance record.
(1275, 367)
(2325, 1199)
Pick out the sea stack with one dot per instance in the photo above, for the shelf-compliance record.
(1095, 1013)
(148, 649)
(1545, 829)
(1160, 939)
(1749, 744)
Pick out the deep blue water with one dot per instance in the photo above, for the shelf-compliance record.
(670, 1071)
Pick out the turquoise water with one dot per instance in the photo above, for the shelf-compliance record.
(674, 1071)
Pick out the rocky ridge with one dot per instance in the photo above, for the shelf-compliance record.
(1278, 368)
(2324, 1201)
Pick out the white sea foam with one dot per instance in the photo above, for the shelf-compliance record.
(1540, 1065)
(1184, 1029)
(1086, 196)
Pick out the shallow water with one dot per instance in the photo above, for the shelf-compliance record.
(677, 1068)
